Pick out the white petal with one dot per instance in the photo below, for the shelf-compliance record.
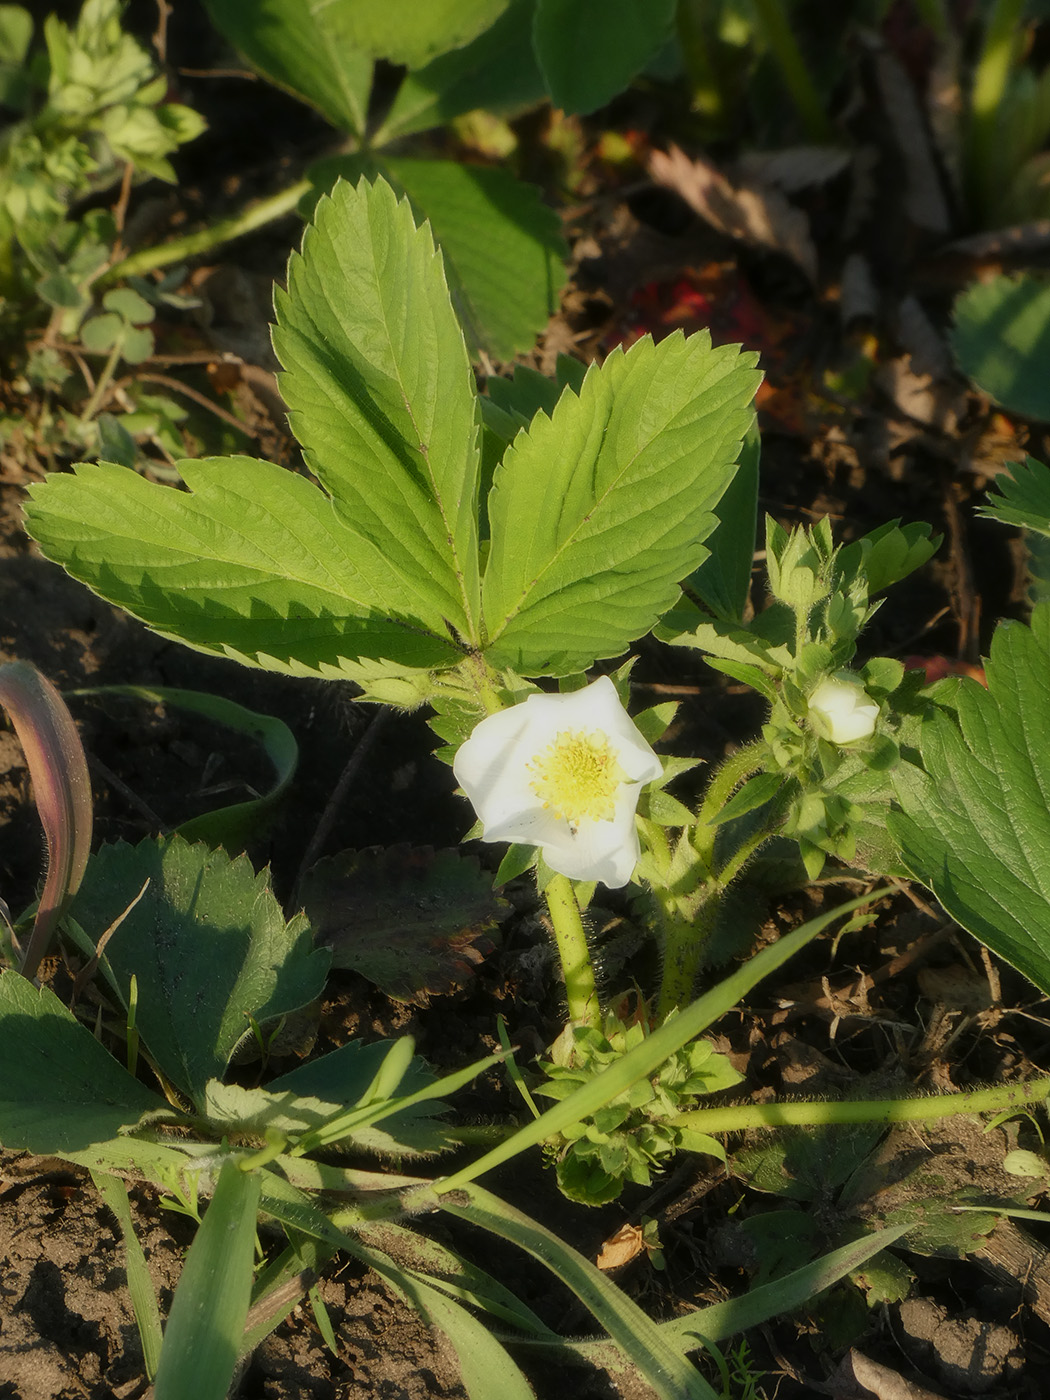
(492, 767)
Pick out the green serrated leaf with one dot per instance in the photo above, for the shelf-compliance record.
(496, 71)
(723, 580)
(1023, 496)
(60, 1090)
(975, 826)
(589, 50)
(635, 464)
(502, 246)
(308, 47)
(1001, 339)
(254, 564)
(207, 944)
(382, 397)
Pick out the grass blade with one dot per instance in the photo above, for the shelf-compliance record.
(203, 1336)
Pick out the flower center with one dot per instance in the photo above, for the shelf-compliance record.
(578, 776)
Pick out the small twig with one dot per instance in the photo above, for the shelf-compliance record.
(131, 798)
(177, 387)
(120, 209)
(160, 37)
(342, 787)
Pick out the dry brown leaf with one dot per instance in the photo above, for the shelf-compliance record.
(621, 1248)
(924, 197)
(859, 1378)
(756, 214)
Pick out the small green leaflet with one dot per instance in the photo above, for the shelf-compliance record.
(599, 510)
(254, 564)
(975, 827)
(382, 396)
(1001, 339)
(1021, 496)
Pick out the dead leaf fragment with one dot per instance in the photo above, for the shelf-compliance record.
(621, 1248)
(754, 213)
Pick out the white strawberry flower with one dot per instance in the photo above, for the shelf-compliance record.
(562, 772)
(840, 709)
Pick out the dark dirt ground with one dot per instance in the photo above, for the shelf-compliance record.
(911, 1000)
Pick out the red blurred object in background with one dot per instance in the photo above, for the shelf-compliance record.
(937, 667)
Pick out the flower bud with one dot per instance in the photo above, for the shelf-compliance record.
(841, 710)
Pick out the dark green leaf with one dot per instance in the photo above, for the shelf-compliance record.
(308, 47)
(723, 580)
(60, 1090)
(1002, 341)
(503, 248)
(414, 921)
(975, 825)
(207, 944)
(496, 71)
(589, 50)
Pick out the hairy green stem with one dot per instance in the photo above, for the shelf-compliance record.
(684, 939)
(571, 938)
(773, 22)
(728, 776)
(778, 1115)
(257, 215)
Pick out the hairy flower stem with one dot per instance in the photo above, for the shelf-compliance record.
(577, 968)
(689, 921)
(728, 776)
(257, 215)
(684, 939)
(1001, 1099)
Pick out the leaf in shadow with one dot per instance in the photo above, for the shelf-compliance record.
(414, 921)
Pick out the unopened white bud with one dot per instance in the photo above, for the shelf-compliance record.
(841, 710)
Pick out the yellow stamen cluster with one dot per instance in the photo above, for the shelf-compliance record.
(578, 775)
